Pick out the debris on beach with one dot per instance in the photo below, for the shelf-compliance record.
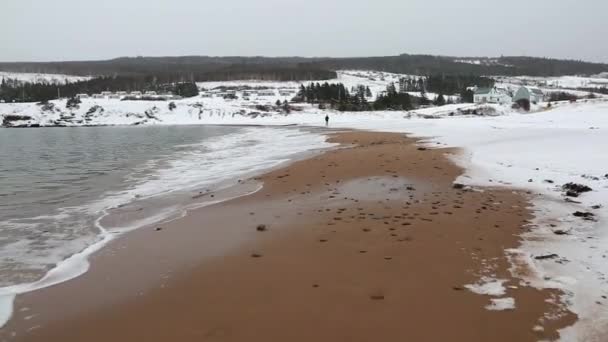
(546, 256)
(261, 228)
(584, 215)
(575, 189)
(377, 297)
(458, 186)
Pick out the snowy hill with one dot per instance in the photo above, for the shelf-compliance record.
(42, 78)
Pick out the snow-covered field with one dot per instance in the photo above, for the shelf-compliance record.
(563, 82)
(537, 152)
(41, 78)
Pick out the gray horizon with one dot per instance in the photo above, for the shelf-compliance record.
(71, 30)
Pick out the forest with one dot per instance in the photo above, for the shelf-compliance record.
(200, 68)
(14, 91)
(337, 96)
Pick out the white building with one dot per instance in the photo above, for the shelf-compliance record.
(534, 95)
(106, 93)
(82, 96)
(491, 95)
(150, 93)
(136, 93)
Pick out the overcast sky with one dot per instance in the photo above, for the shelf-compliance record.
(45, 30)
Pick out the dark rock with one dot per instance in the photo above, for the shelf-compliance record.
(585, 215)
(547, 256)
(158, 229)
(261, 228)
(561, 232)
(597, 206)
(572, 193)
(574, 189)
(549, 181)
(377, 297)
(7, 121)
(458, 186)
(422, 148)
(256, 255)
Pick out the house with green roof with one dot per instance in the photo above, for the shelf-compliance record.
(532, 94)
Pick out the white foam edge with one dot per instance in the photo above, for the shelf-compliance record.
(78, 264)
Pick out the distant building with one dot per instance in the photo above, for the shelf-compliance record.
(106, 93)
(150, 93)
(82, 96)
(135, 93)
(491, 95)
(534, 95)
(121, 93)
(206, 95)
(98, 96)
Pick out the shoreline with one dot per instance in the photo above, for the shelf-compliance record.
(138, 213)
(277, 200)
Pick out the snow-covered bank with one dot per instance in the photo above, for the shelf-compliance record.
(540, 153)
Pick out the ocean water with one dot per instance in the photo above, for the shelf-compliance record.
(58, 184)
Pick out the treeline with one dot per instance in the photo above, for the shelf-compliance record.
(261, 73)
(428, 64)
(17, 91)
(445, 85)
(562, 96)
(337, 96)
(199, 68)
(602, 90)
(184, 69)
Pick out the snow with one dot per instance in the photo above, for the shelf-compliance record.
(42, 78)
(523, 151)
(377, 82)
(488, 286)
(501, 304)
(561, 82)
(486, 61)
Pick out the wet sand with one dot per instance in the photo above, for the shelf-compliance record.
(366, 243)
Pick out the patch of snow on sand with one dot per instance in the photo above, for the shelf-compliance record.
(500, 304)
(488, 286)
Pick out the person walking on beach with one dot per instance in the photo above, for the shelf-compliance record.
(326, 120)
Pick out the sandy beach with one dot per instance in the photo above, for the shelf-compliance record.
(368, 242)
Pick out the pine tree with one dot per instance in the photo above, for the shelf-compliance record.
(439, 101)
